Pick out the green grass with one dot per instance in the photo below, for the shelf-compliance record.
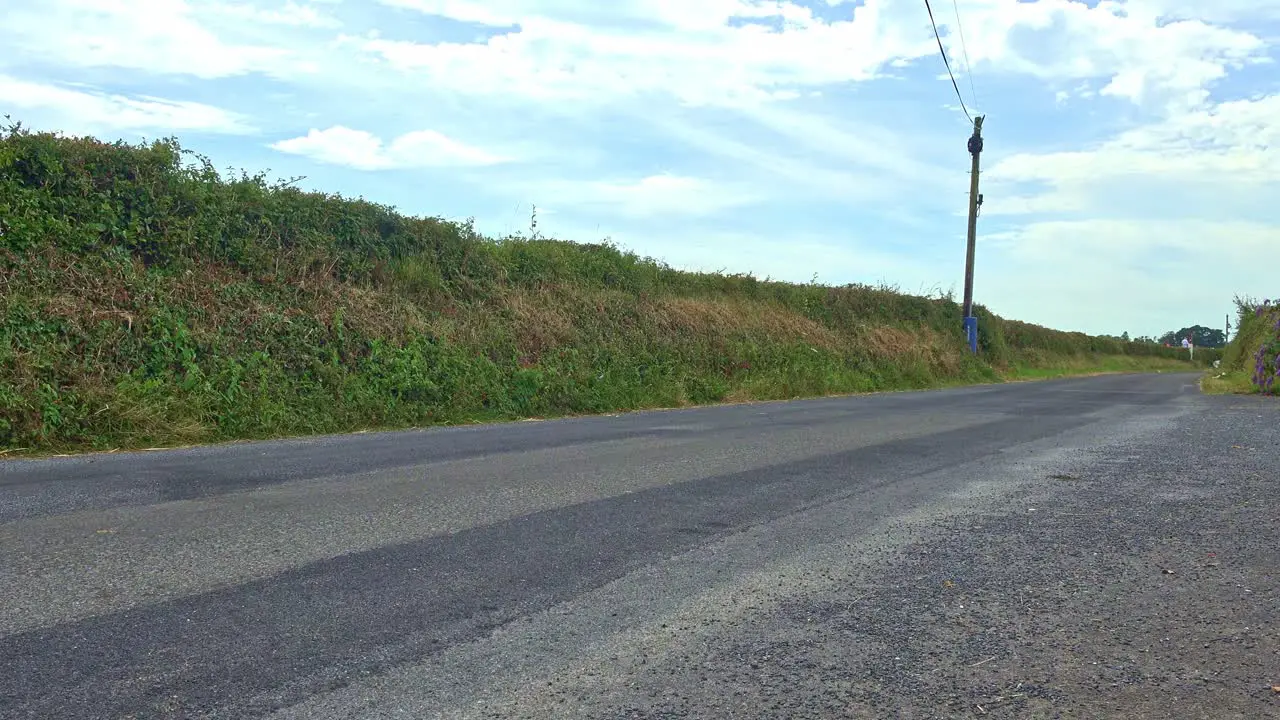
(1097, 365)
(146, 300)
(1227, 382)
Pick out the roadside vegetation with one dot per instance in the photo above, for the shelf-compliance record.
(1251, 361)
(148, 300)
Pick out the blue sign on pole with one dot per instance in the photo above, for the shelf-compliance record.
(971, 331)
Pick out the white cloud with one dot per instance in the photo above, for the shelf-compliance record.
(848, 258)
(835, 170)
(633, 50)
(684, 50)
(865, 145)
(1231, 148)
(153, 36)
(87, 111)
(1231, 128)
(1140, 57)
(832, 260)
(564, 51)
(665, 194)
(1051, 242)
(460, 10)
(1218, 11)
(1120, 275)
(996, 204)
(290, 14)
(362, 150)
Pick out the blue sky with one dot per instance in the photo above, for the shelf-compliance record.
(1131, 152)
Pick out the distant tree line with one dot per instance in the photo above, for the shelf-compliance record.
(1200, 335)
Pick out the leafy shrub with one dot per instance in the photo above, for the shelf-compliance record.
(1266, 368)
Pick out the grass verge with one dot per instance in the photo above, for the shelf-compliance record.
(1226, 382)
(1095, 365)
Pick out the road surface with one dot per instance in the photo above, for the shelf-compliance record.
(1101, 547)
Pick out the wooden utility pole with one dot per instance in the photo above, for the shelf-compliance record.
(975, 201)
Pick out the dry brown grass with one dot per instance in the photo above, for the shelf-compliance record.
(724, 318)
(370, 312)
(540, 322)
(923, 346)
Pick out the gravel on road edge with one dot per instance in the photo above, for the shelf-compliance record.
(1143, 586)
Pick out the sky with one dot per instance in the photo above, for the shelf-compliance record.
(1130, 151)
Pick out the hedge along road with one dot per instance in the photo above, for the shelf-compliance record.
(1086, 547)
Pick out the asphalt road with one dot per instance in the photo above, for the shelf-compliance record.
(1098, 548)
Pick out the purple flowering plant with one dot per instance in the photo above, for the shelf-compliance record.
(1266, 368)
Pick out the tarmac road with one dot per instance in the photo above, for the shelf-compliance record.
(1102, 547)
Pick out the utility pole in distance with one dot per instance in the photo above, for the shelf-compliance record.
(975, 200)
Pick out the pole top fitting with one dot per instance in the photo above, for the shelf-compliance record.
(975, 140)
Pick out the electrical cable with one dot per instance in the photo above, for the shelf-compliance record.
(964, 48)
(947, 62)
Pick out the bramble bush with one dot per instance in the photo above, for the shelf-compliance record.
(1266, 368)
(147, 299)
(1255, 350)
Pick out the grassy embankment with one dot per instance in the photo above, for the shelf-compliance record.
(1251, 361)
(145, 300)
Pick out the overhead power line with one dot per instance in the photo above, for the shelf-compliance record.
(964, 48)
(947, 62)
